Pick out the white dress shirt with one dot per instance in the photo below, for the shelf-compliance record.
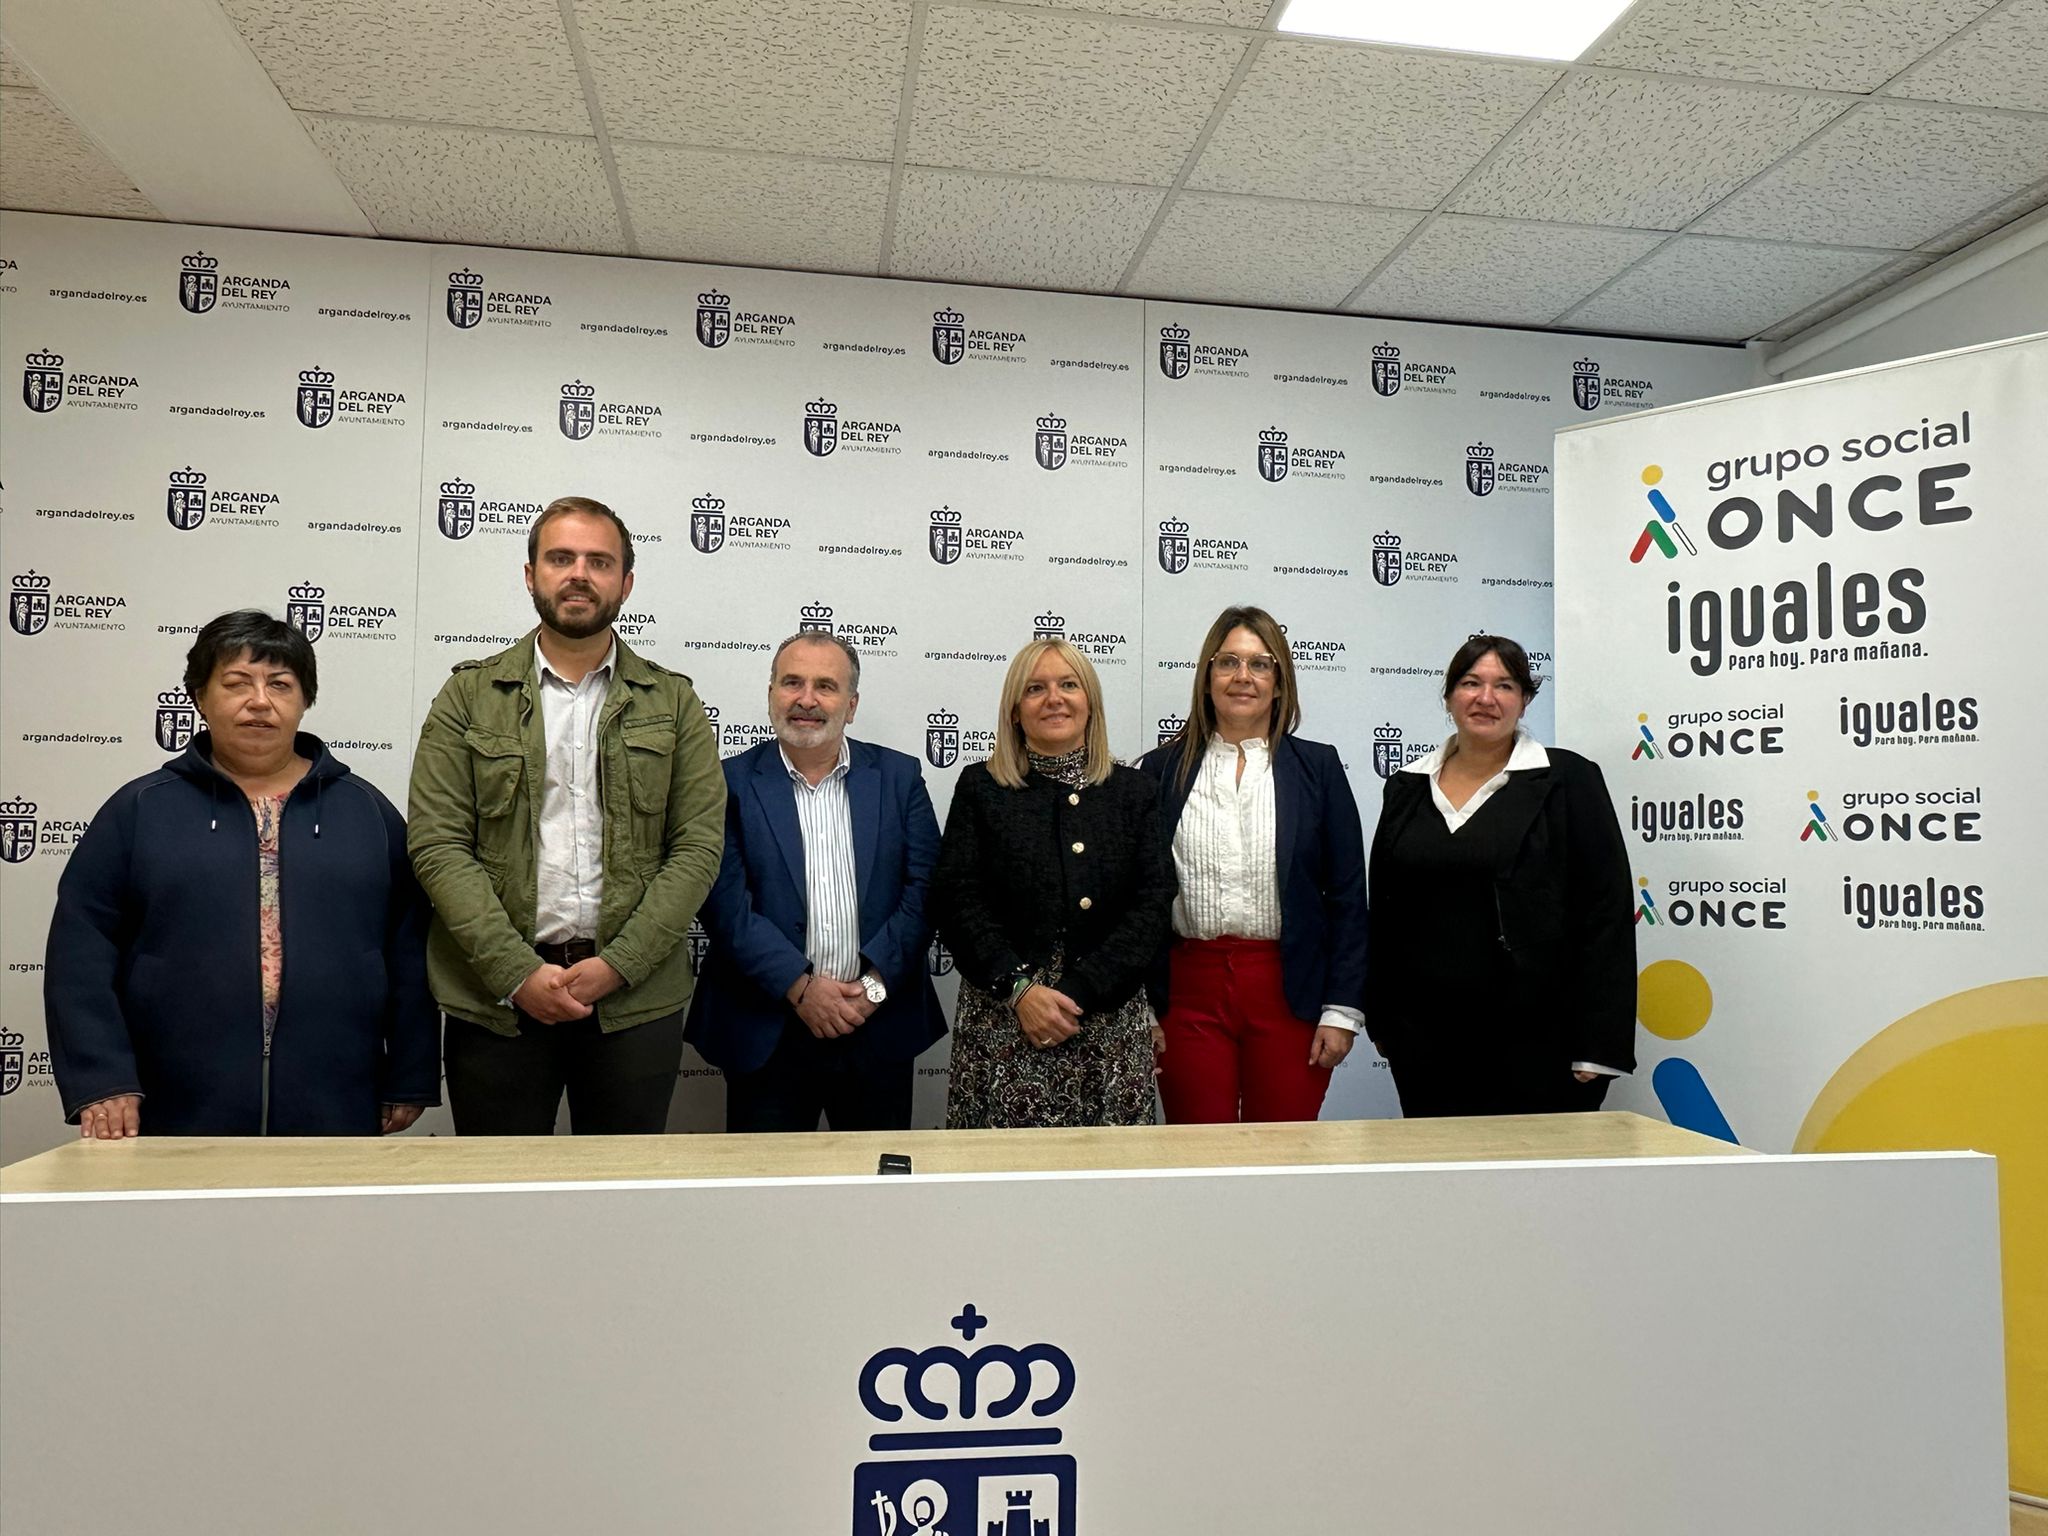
(831, 891)
(1226, 852)
(570, 858)
(1528, 753)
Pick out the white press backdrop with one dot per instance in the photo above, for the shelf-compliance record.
(174, 477)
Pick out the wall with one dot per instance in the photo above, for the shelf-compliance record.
(360, 431)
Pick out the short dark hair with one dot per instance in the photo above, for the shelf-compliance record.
(267, 640)
(823, 637)
(561, 506)
(1511, 655)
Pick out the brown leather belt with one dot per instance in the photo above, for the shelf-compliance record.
(567, 954)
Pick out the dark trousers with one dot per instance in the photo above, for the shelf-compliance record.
(807, 1077)
(1431, 1084)
(619, 1084)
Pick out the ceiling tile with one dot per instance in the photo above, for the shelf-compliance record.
(1651, 154)
(1339, 124)
(800, 77)
(754, 210)
(12, 72)
(1499, 273)
(1247, 250)
(1227, 13)
(1996, 217)
(1889, 175)
(51, 167)
(1044, 94)
(2002, 63)
(1720, 290)
(469, 186)
(957, 227)
(1824, 44)
(1891, 272)
(483, 63)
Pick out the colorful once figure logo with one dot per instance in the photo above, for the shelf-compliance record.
(1663, 528)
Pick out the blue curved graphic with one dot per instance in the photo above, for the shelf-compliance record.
(1688, 1103)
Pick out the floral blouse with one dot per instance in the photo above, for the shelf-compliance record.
(269, 811)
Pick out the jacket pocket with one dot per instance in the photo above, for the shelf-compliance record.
(496, 765)
(650, 763)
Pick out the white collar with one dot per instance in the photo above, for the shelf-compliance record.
(1250, 744)
(843, 765)
(1528, 753)
(543, 671)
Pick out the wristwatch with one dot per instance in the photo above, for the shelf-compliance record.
(872, 985)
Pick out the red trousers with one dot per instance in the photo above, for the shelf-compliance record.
(1233, 1051)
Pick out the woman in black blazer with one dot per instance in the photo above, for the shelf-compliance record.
(1263, 991)
(1052, 891)
(1503, 923)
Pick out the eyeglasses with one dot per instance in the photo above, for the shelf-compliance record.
(1229, 663)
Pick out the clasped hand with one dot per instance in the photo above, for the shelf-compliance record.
(556, 994)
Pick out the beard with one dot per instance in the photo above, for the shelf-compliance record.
(804, 733)
(596, 620)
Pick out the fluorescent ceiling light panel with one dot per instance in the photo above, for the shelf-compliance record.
(1529, 29)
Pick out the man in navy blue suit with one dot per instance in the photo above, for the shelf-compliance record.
(814, 998)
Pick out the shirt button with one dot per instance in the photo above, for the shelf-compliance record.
(1073, 799)
(1086, 903)
(1080, 847)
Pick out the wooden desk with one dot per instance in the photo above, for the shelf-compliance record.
(192, 1163)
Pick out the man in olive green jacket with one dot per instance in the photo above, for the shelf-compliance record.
(567, 816)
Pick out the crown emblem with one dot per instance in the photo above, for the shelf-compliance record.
(172, 698)
(715, 300)
(942, 717)
(11, 1039)
(963, 1372)
(17, 809)
(1272, 435)
(820, 408)
(1384, 349)
(579, 391)
(457, 488)
(1386, 733)
(711, 713)
(199, 261)
(1479, 451)
(1386, 541)
(306, 592)
(188, 476)
(1173, 525)
(315, 376)
(949, 317)
(708, 503)
(1173, 333)
(946, 516)
(1050, 621)
(817, 610)
(31, 582)
(45, 360)
(465, 279)
(1053, 423)
(1585, 365)
(1168, 724)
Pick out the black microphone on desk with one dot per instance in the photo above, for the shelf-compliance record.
(893, 1162)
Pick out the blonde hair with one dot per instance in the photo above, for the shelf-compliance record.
(1008, 764)
(1201, 722)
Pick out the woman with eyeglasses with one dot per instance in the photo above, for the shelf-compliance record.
(1504, 974)
(1263, 989)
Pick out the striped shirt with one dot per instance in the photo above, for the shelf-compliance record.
(831, 893)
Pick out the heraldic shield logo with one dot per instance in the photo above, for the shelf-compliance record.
(199, 282)
(969, 1473)
(714, 318)
(815, 617)
(1049, 626)
(1479, 470)
(12, 1060)
(821, 427)
(1386, 370)
(28, 605)
(316, 397)
(185, 499)
(1386, 750)
(455, 511)
(17, 830)
(938, 959)
(42, 381)
(1170, 727)
(949, 335)
(177, 720)
(465, 298)
(1174, 546)
(1586, 384)
(942, 738)
(577, 415)
(1386, 558)
(944, 542)
(1052, 442)
(1273, 454)
(700, 945)
(305, 611)
(1176, 352)
(707, 524)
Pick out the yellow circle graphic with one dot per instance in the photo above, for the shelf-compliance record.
(1652, 473)
(1673, 999)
